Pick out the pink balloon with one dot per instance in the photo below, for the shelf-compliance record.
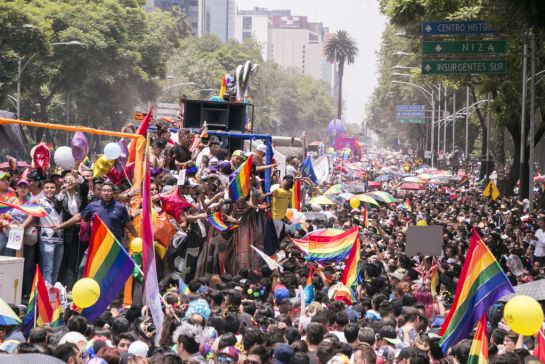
(80, 146)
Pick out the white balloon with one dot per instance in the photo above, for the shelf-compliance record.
(112, 151)
(315, 207)
(63, 158)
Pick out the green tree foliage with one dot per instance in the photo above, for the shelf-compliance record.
(511, 17)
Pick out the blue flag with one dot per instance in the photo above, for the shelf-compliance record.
(307, 170)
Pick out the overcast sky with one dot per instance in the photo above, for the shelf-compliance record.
(362, 20)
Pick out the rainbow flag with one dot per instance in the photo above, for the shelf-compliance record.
(351, 272)
(328, 245)
(183, 288)
(463, 181)
(483, 282)
(434, 280)
(309, 290)
(296, 195)
(365, 216)
(479, 347)
(216, 220)
(407, 206)
(56, 318)
(539, 349)
(39, 311)
(29, 209)
(240, 184)
(109, 264)
(7, 316)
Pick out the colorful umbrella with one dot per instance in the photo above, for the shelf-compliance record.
(367, 199)
(373, 184)
(412, 186)
(384, 178)
(413, 180)
(321, 200)
(335, 189)
(382, 196)
(7, 316)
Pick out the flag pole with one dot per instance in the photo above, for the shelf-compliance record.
(168, 306)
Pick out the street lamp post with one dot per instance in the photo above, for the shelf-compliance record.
(21, 67)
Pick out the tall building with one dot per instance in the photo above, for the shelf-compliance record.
(191, 8)
(222, 18)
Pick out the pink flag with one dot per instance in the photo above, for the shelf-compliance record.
(151, 285)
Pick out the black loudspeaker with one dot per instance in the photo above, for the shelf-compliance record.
(221, 116)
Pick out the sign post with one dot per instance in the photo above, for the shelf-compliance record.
(411, 114)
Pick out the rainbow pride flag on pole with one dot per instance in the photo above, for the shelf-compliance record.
(183, 288)
(39, 311)
(309, 289)
(329, 245)
(351, 272)
(216, 220)
(109, 264)
(241, 182)
(56, 317)
(296, 195)
(29, 209)
(479, 348)
(483, 282)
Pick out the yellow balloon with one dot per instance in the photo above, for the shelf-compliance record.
(85, 292)
(421, 223)
(136, 245)
(524, 315)
(102, 166)
(354, 202)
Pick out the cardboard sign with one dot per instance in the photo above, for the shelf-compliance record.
(15, 237)
(424, 240)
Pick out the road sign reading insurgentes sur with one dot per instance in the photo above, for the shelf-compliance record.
(456, 28)
(489, 66)
(464, 47)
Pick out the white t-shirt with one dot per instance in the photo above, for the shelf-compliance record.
(540, 244)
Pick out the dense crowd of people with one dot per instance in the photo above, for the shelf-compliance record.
(239, 310)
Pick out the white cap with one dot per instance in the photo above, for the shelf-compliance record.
(74, 337)
(138, 348)
(262, 148)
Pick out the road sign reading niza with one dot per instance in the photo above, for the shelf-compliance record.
(464, 47)
(465, 67)
(412, 120)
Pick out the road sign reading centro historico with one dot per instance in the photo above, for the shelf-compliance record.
(456, 27)
(490, 66)
(464, 47)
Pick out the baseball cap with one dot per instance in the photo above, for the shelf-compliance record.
(138, 348)
(281, 293)
(23, 181)
(389, 334)
(4, 174)
(229, 351)
(262, 148)
(283, 354)
(239, 153)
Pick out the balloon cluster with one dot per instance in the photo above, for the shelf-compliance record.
(255, 291)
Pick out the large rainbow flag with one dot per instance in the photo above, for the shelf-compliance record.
(240, 185)
(479, 347)
(483, 282)
(39, 311)
(109, 264)
(328, 245)
(351, 272)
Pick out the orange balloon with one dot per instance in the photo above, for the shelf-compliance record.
(289, 214)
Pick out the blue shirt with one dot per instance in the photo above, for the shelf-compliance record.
(114, 215)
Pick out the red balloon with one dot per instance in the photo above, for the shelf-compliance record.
(173, 204)
(41, 157)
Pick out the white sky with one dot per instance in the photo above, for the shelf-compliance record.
(363, 21)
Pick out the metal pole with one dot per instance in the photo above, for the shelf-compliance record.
(19, 71)
(438, 122)
(467, 127)
(432, 122)
(523, 117)
(532, 120)
(445, 110)
(453, 121)
(487, 137)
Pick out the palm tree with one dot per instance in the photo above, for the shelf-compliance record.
(341, 48)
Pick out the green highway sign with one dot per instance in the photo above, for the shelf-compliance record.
(412, 120)
(484, 66)
(464, 47)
